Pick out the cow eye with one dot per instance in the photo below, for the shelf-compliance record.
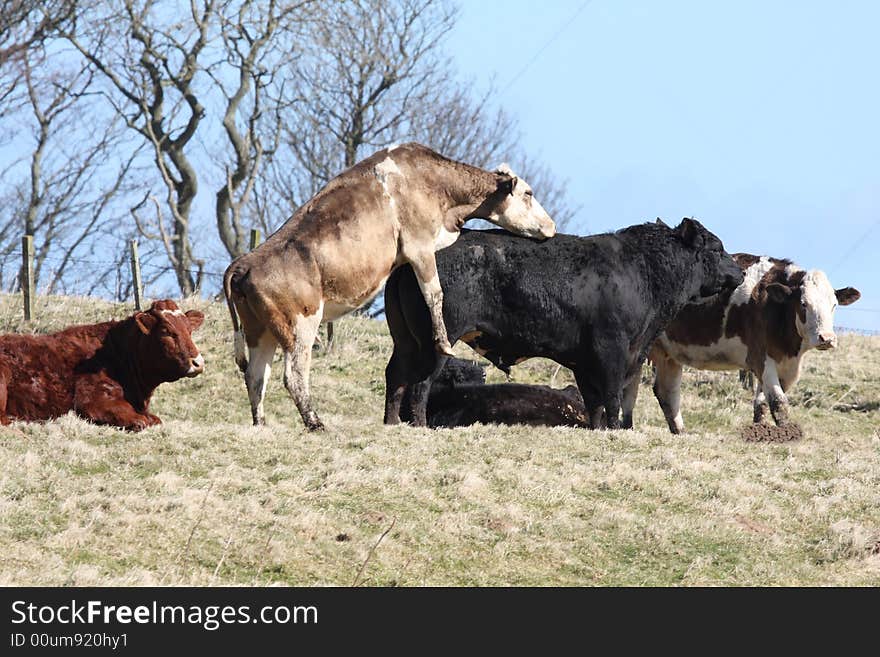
(529, 193)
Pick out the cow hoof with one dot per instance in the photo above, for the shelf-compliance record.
(315, 425)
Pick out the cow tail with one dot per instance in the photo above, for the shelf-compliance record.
(238, 335)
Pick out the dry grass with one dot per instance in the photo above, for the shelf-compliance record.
(207, 499)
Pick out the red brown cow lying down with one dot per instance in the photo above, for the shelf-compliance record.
(105, 372)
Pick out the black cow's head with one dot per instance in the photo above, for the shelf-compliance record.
(716, 271)
(164, 345)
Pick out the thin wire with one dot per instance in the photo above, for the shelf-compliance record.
(541, 50)
(854, 247)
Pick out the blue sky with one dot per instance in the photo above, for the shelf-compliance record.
(761, 119)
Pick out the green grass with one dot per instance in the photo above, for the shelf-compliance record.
(207, 499)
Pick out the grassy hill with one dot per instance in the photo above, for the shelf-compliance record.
(207, 499)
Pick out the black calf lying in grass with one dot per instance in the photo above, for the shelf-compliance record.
(459, 397)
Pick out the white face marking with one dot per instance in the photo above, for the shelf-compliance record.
(522, 213)
(819, 301)
(173, 312)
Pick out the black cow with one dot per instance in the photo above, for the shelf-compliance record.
(593, 304)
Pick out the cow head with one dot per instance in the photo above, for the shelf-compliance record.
(717, 270)
(814, 301)
(165, 345)
(513, 207)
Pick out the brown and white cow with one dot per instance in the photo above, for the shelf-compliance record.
(104, 372)
(764, 326)
(397, 206)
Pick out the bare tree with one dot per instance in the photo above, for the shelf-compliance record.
(146, 58)
(24, 24)
(64, 185)
(257, 45)
(458, 122)
(368, 65)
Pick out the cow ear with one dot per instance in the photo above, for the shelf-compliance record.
(195, 318)
(847, 295)
(507, 184)
(145, 322)
(689, 233)
(778, 292)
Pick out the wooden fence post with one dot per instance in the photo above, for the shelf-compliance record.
(136, 277)
(27, 275)
(255, 238)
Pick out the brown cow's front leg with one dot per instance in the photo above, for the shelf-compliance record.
(5, 375)
(101, 400)
(297, 366)
(425, 268)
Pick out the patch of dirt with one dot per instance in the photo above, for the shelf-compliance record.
(753, 525)
(373, 517)
(770, 433)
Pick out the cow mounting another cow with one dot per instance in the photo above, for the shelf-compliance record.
(397, 206)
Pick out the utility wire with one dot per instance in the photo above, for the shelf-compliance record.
(541, 50)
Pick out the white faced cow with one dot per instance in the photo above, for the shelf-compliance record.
(335, 253)
(765, 326)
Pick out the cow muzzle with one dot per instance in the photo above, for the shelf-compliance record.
(826, 342)
(548, 229)
(196, 366)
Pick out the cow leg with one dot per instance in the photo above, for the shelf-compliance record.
(425, 268)
(630, 395)
(612, 408)
(101, 400)
(420, 391)
(395, 387)
(667, 390)
(611, 374)
(297, 365)
(592, 399)
(776, 398)
(760, 405)
(5, 375)
(257, 374)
